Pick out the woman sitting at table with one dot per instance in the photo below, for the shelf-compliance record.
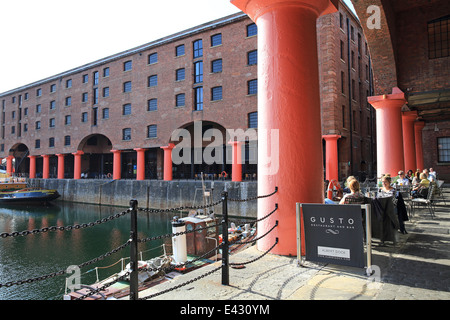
(386, 189)
(355, 196)
(418, 191)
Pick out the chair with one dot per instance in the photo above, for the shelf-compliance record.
(428, 201)
(406, 194)
(439, 189)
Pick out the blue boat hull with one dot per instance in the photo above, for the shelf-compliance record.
(29, 196)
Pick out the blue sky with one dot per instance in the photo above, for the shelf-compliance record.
(41, 38)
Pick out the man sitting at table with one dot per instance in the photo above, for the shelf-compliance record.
(402, 180)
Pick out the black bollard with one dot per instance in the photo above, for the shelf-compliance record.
(225, 265)
(134, 294)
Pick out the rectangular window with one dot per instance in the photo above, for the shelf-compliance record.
(252, 30)
(216, 66)
(127, 65)
(152, 131)
(85, 78)
(38, 108)
(252, 57)
(69, 83)
(439, 37)
(84, 117)
(152, 105)
(216, 40)
(342, 50)
(106, 72)
(105, 92)
(253, 120)
(126, 134)
(105, 113)
(84, 97)
(180, 74)
(153, 58)
(51, 123)
(198, 72)
(67, 140)
(51, 142)
(342, 82)
(95, 96)
(180, 100)
(179, 50)
(37, 144)
(67, 119)
(343, 116)
(198, 49)
(53, 88)
(153, 81)
(68, 101)
(198, 98)
(443, 149)
(127, 86)
(95, 78)
(126, 109)
(38, 92)
(252, 86)
(52, 105)
(216, 93)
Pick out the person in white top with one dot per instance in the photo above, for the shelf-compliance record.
(432, 175)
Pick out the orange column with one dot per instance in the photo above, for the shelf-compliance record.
(331, 160)
(418, 126)
(46, 166)
(140, 173)
(77, 164)
(32, 167)
(60, 166)
(236, 169)
(168, 161)
(289, 119)
(409, 146)
(390, 157)
(9, 167)
(117, 167)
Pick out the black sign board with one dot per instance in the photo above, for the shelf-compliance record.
(334, 234)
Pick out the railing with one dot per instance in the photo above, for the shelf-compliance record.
(133, 242)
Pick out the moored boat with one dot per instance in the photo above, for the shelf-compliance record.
(29, 195)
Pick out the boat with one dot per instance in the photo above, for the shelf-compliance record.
(29, 195)
(12, 184)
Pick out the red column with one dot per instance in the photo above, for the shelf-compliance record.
(331, 161)
(117, 166)
(418, 126)
(289, 119)
(390, 157)
(77, 164)
(9, 167)
(46, 166)
(60, 166)
(168, 161)
(409, 146)
(236, 169)
(32, 167)
(140, 173)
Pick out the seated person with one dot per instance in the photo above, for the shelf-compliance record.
(402, 180)
(417, 190)
(346, 184)
(355, 196)
(386, 190)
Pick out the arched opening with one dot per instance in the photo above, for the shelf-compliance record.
(21, 163)
(97, 160)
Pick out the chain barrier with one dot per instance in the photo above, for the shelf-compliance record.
(170, 235)
(64, 228)
(61, 272)
(257, 258)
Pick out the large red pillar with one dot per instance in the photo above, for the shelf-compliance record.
(77, 164)
(390, 158)
(32, 167)
(418, 126)
(9, 166)
(409, 146)
(236, 167)
(140, 173)
(60, 165)
(117, 169)
(331, 160)
(45, 166)
(289, 120)
(168, 161)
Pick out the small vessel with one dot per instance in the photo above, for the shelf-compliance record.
(12, 184)
(29, 195)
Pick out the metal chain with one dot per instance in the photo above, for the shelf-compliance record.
(257, 258)
(254, 198)
(181, 285)
(64, 228)
(61, 272)
(256, 239)
(180, 208)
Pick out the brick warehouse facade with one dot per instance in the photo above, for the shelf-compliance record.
(136, 99)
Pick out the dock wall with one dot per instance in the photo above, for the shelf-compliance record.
(155, 194)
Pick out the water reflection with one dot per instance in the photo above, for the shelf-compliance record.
(32, 256)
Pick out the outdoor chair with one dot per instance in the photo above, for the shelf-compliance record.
(439, 190)
(428, 201)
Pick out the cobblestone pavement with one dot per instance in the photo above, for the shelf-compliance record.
(417, 268)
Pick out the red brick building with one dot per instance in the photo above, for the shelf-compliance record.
(133, 101)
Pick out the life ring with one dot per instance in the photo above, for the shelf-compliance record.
(333, 187)
(108, 175)
(223, 174)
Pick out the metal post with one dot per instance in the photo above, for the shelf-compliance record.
(368, 240)
(225, 266)
(298, 207)
(134, 294)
